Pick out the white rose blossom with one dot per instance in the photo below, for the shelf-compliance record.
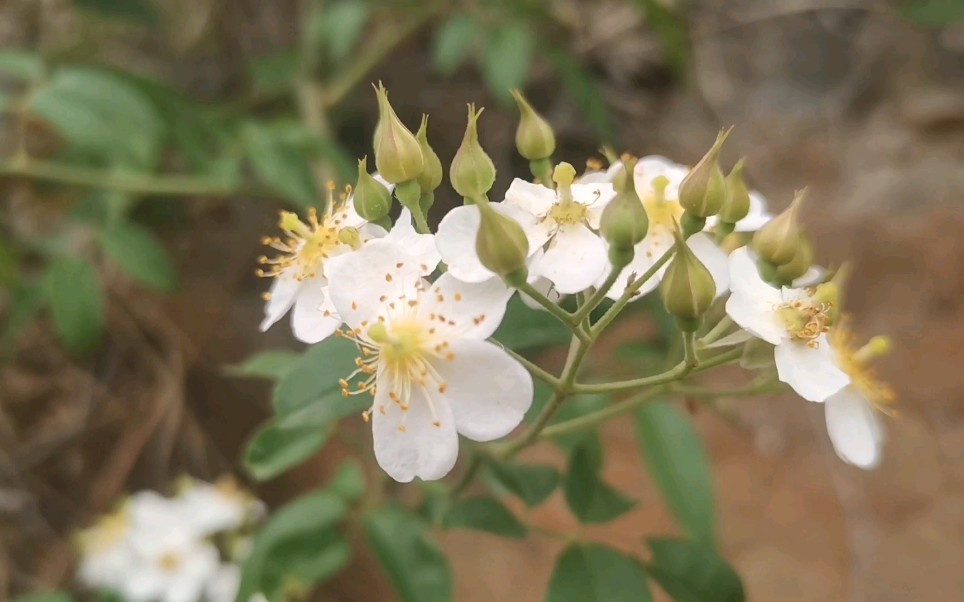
(793, 321)
(425, 360)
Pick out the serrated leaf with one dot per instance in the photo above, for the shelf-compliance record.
(523, 328)
(273, 364)
(589, 498)
(299, 542)
(314, 379)
(484, 514)
(531, 483)
(507, 59)
(276, 448)
(453, 43)
(140, 255)
(279, 165)
(343, 22)
(594, 573)
(414, 564)
(691, 572)
(21, 64)
(76, 303)
(676, 459)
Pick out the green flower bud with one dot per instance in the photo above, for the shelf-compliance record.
(371, 199)
(534, 138)
(472, 172)
(431, 175)
(703, 191)
(777, 242)
(737, 204)
(502, 245)
(624, 221)
(798, 266)
(687, 289)
(398, 155)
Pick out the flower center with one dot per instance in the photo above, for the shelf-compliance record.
(169, 562)
(806, 321)
(106, 533)
(855, 362)
(663, 215)
(305, 246)
(568, 213)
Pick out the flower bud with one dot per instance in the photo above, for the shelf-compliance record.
(777, 242)
(371, 199)
(398, 155)
(472, 172)
(501, 244)
(534, 138)
(703, 191)
(431, 175)
(798, 266)
(737, 204)
(350, 237)
(624, 221)
(687, 289)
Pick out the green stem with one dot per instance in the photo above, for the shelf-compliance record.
(597, 297)
(689, 363)
(611, 411)
(420, 222)
(468, 476)
(533, 369)
(563, 316)
(716, 332)
(621, 303)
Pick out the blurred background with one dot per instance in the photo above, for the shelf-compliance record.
(146, 146)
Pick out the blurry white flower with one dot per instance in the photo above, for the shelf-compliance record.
(215, 507)
(425, 360)
(224, 585)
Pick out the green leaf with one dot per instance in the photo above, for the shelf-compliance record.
(691, 572)
(532, 484)
(21, 64)
(45, 597)
(138, 11)
(584, 90)
(522, 328)
(507, 59)
(671, 29)
(343, 22)
(592, 500)
(593, 573)
(349, 481)
(299, 542)
(102, 114)
(275, 71)
(453, 43)
(484, 514)
(278, 164)
(313, 380)
(23, 303)
(141, 256)
(273, 364)
(414, 564)
(678, 463)
(76, 303)
(276, 448)
(933, 13)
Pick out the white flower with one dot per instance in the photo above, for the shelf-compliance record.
(224, 585)
(425, 360)
(791, 320)
(107, 557)
(213, 508)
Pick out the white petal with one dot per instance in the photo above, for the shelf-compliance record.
(814, 275)
(854, 427)
(455, 241)
(533, 198)
(369, 231)
(419, 248)
(599, 176)
(471, 309)
(361, 282)
(653, 166)
(489, 391)
(810, 371)
(714, 258)
(575, 260)
(545, 287)
(223, 586)
(314, 318)
(656, 243)
(422, 449)
(753, 303)
(281, 297)
(594, 196)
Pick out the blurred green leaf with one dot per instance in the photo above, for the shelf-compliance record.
(690, 572)
(273, 364)
(21, 64)
(933, 13)
(508, 58)
(584, 90)
(343, 22)
(275, 71)
(76, 303)
(592, 500)
(484, 514)
(313, 380)
(414, 564)
(279, 165)
(671, 29)
(276, 448)
(678, 463)
(530, 483)
(9, 264)
(299, 543)
(454, 41)
(141, 256)
(349, 481)
(102, 114)
(594, 573)
(138, 11)
(23, 304)
(524, 328)
(45, 597)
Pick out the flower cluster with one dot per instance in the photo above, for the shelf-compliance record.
(171, 549)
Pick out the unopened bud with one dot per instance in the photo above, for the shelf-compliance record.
(777, 242)
(737, 204)
(431, 175)
(703, 191)
(398, 155)
(797, 266)
(371, 199)
(624, 222)
(687, 289)
(534, 138)
(501, 244)
(472, 172)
